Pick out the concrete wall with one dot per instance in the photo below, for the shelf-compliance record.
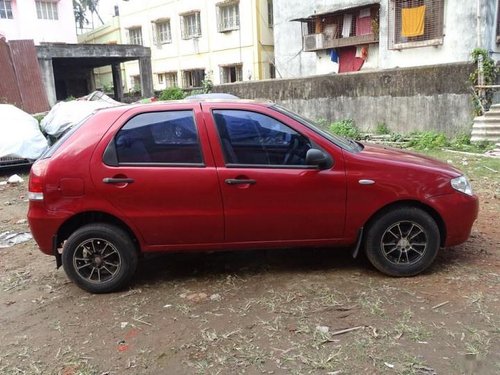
(26, 25)
(460, 37)
(409, 99)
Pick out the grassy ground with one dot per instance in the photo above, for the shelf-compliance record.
(260, 312)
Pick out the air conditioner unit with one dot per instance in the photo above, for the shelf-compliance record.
(313, 42)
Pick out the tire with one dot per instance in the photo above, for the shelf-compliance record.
(402, 242)
(99, 258)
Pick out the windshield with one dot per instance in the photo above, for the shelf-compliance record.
(345, 143)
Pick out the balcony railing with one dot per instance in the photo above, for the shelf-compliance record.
(317, 42)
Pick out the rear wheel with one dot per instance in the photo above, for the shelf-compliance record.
(402, 242)
(99, 258)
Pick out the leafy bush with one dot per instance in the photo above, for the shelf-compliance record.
(428, 140)
(382, 129)
(345, 128)
(172, 93)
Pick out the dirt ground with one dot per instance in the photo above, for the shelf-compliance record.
(258, 312)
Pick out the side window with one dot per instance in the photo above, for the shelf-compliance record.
(251, 138)
(159, 137)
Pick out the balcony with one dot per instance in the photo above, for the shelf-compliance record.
(317, 42)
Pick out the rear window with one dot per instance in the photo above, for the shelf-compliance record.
(59, 142)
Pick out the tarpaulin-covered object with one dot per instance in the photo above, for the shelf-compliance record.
(20, 135)
(64, 115)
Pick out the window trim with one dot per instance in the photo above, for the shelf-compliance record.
(110, 154)
(163, 22)
(43, 12)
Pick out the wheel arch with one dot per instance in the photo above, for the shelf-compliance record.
(410, 203)
(91, 217)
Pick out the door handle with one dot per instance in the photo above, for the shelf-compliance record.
(111, 180)
(237, 181)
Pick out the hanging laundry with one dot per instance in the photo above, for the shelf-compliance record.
(348, 62)
(347, 25)
(362, 51)
(334, 55)
(413, 21)
(363, 24)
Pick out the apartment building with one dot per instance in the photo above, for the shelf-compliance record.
(40, 20)
(337, 36)
(225, 41)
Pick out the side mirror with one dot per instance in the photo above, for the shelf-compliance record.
(318, 158)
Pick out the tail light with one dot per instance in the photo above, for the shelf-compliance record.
(36, 182)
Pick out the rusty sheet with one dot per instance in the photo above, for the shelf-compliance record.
(9, 89)
(29, 78)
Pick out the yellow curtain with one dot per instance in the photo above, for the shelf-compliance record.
(413, 21)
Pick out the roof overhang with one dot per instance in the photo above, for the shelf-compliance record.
(336, 10)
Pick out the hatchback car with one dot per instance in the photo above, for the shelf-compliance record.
(233, 174)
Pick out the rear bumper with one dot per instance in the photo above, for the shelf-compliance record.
(44, 225)
(458, 211)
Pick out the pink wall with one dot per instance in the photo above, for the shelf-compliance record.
(26, 25)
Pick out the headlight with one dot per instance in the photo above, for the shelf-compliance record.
(462, 184)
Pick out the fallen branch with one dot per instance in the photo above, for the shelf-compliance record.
(347, 330)
(440, 305)
(142, 321)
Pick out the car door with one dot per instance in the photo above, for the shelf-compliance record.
(156, 171)
(269, 193)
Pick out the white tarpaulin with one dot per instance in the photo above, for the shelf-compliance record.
(64, 115)
(20, 135)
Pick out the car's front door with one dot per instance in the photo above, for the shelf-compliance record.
(269, 192)
(156, 174)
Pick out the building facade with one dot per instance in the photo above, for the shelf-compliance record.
(336, 36)
(224, 41)
(40, 20)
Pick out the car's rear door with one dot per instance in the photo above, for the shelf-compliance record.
(269, 193)
(156, 170)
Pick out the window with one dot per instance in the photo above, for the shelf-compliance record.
(168, 79)
(193, 78)
(135, 83)
(135, 35)
(163, 32)
(231, 73)
(270, 13)
(272, 70)
(228, 16)
(349, 27)
(498, 23)
(190, 25)
(251, 138)
(415, 23)
(6, 9)
(46, 10)
(159, 137)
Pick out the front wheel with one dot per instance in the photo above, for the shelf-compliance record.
(402, 242)
(99, 258)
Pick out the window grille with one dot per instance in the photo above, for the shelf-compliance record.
(228, 17)
(231, 73)
(163, 32)
(415, 23)
(135, 35)
(193, 78)
(46, 10)
(168, 79)
(190, 25)
(270, 13)
(6, 9)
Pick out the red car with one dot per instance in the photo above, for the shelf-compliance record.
(234, 174)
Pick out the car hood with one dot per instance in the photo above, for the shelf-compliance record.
(407, 158)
